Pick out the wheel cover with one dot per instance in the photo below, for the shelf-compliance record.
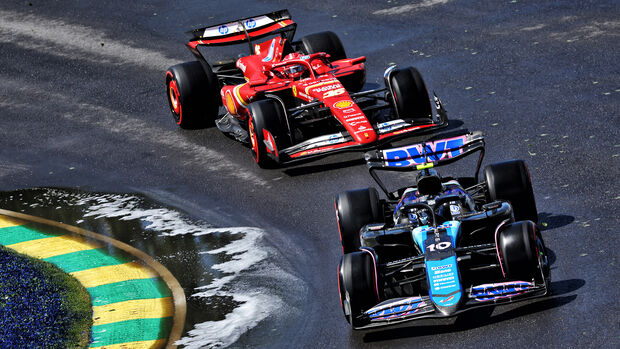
(173, 97)
(253, 139)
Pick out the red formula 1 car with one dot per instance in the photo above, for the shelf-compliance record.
(293, 100)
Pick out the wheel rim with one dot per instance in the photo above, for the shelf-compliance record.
(253, 139)
(173, 97)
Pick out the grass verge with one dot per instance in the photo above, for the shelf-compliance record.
(41, 305)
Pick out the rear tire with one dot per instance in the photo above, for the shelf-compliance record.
(518, 244)
(330, 43)
(410, 95)
(267, 119)
(357, 280)
(327, 42)
(355, 209)
(510, 181)
(193, 94)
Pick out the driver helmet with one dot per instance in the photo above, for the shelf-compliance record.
(295, 71)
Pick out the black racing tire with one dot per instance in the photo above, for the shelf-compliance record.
(327, 42)
(410, 95)
(357, 280)
(510, 181)
(330, 43)
(517, 243)
(355, 209)
(267, 115)
(193, 94)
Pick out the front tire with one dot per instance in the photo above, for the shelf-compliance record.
(267, 132)
(355, 209)
(193, 94)
(410, 95)
(518, 246)
(358, 286)
(510, 181)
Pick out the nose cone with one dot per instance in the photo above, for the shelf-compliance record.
(364, 136)
(353, 119)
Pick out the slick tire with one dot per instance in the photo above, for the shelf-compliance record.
(357, 280)
(410, 95)
(510, 181)
(518, 246)
(330, 43)
(355, 209)
(267, 132)
(324, 42)
(193, 94)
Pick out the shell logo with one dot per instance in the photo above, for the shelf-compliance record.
(343, 104)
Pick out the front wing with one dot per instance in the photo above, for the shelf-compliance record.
(398, 310)
(342, 141)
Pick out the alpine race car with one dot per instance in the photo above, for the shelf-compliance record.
(442, 246)
(293, 100)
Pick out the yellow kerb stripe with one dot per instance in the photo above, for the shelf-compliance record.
(160, 343)
(113, 273)
(153, 308)
(6, 222)
(54, 246)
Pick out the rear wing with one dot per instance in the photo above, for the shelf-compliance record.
(432, 153)
(244, 30)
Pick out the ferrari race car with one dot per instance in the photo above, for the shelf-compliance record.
(293, 100)
(442, 246)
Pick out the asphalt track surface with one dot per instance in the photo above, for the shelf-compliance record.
(82, 105)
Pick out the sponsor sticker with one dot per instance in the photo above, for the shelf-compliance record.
(354, 118)
(241, 66)
(343, 104)
(415, 154)
(334, 139)
(223, 29)
(327, 88)
(250, 23)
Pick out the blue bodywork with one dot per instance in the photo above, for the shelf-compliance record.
(442, 273)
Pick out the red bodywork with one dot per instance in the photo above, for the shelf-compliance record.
(269, 70)
(275, 67)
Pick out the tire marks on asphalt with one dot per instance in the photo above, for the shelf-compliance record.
(131, 129)
(74, 41)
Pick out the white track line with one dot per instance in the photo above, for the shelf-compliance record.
(397, 10)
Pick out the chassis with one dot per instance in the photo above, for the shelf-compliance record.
(444, 246)
(287, 117)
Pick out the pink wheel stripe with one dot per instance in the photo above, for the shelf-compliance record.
(499, 259)
(374, 262)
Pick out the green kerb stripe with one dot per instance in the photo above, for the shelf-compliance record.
(128, 290)
(88, 259)
(21, 233)
(131, 331)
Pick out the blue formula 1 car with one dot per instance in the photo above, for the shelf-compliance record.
(442, 246)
